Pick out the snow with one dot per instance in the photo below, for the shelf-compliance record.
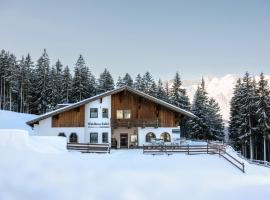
(35, 167)
(14, 120)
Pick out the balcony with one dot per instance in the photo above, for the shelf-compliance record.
(129, 123)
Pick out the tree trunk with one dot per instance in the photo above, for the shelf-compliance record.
(251, 147)
(264, 148)
(10, 91)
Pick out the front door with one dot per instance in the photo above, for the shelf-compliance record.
(123, 140)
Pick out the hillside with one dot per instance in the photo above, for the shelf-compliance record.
(14, 120)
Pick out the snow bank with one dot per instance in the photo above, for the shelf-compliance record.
(13, 140)
(14, 120)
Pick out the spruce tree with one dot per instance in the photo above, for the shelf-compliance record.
(139, 84)
(199, 127)
(235, 116)
(127, 80)
(84, 84)
(148, 83)
(40, 85)
(160, 93)
(263, 111)
(67, 85)
(119, 82)
(105, 82)
(178, 95)
(247, 110)
(215, 122)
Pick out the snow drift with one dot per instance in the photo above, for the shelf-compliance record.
(13, 140)
(14, 120)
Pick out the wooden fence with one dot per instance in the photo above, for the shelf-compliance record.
(89, 148)
(196, 149)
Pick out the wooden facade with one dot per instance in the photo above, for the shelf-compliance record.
(143, 111)
(70, 118)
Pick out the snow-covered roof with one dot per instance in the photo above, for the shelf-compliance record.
(111, 92)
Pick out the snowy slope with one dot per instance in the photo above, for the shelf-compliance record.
(14, 120)
(20, 140)
(31, 173)
(219, 88)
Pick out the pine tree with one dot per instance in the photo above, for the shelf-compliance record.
(84, 84)
(215, 122)
(263, 111)
(247, 110)
(160, 93)
(178, 94)
(119, 82)
(67, 85)
(127, 80)
(147, 83)
(105, 82)
(139, 84)
(199, 125)
(53, 97)
(40, 85)
(235, 115)
(25, 73)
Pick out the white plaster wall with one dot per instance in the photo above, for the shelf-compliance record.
(45, 129)
(106, 127)
(157, 131)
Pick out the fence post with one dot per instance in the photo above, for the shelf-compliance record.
(207, 148)
(188, 149)
(243, 167)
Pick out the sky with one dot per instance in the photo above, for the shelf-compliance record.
(196, 38)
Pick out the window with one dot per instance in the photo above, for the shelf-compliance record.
(93, 138)
(149, 137)
(123, 114)
(165, 137)
(119, 114)
(93, 113)
(105, 113)
(127, 114)
(73, 138)
(62, 135)
(104, 137)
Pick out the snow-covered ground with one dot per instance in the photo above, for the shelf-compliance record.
(14, 120)
(34, 167)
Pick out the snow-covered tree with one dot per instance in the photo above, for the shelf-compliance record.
(247, 109)
(119, 82)
(215, 122)
(160, 93)
(67, 85)
(235, 116)
(178, 95)
(139, 84)
(199, 126)
(263, 111)
(127, 80)
(84, 84)
(40, 85)
(147, 83)
(105, 82)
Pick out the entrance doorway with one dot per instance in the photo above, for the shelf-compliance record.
(123, 140)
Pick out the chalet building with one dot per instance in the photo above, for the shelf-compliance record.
(123, 117)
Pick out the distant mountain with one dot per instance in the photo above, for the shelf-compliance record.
(221, 89)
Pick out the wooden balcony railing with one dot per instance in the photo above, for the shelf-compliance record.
(134, 123)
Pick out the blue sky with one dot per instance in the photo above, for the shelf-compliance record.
(195, 38)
